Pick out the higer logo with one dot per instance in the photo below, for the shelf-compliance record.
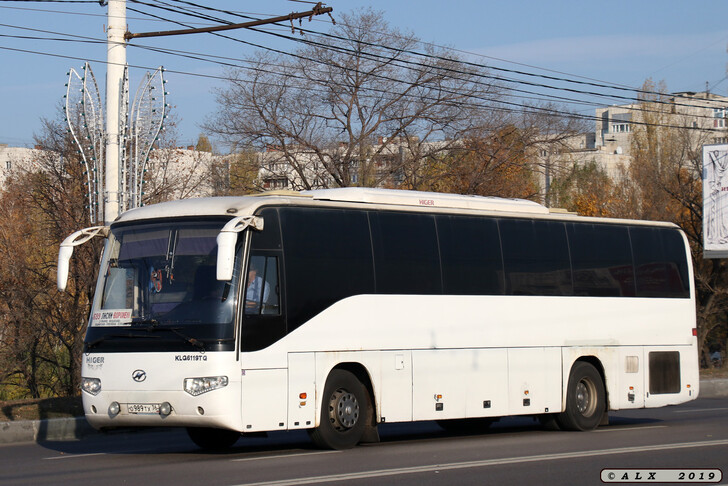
(139, 375)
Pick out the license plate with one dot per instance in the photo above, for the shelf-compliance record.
(143, 408)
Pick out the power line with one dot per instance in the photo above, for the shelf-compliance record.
(54, 1)
(198, 56)
(84, 14)
(561, 99)
(167, 7)
(480, 66)
(520, 109)
(496, 78)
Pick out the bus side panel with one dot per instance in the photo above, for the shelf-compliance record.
(630, 370)
(264, 402)
(301, 390)
(394, 393)
(457, 383)
(534, 380)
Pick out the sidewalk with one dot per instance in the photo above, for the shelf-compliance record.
(78, 428)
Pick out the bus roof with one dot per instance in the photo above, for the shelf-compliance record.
(426, 199)
(232, 206)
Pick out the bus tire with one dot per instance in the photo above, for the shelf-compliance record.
(345, 409)
(585, 399)
(213, 439)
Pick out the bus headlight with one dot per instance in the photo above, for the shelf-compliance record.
(91, 385)
(198, 386)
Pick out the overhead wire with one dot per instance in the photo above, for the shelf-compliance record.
(165, 6)
(520, 106)
(551, 97)
(467, 63)
(214, 19)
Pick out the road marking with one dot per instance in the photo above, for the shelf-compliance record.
(620, 429)
(484, 463)
(701, 410)
(283, 455)
(73, 456)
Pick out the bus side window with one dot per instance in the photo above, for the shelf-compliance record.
(661, 268)
(535, 257)
(262, 292)
(601, 259)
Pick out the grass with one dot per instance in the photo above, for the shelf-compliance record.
(47, 408)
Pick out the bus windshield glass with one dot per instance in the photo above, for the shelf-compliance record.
(159, 276)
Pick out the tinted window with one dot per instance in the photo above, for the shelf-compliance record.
(406, 255)
(328, 257)
(270, 237)
(535, 257)
(660, 262)
(262, 293)
(471, 256)
(601, 259)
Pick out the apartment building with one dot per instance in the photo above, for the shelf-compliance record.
(171, 172)
(610, 145)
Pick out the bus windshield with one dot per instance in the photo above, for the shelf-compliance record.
(159, 276)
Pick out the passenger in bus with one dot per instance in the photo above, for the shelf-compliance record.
(253, 292)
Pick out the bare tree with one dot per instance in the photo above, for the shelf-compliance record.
(39, 208)
(353, 108)
(41, 329)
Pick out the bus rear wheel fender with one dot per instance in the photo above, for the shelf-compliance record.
(345, 412)
(585, 399)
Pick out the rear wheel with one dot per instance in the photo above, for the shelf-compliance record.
(345, 411)
(585, 399)
(213, 439)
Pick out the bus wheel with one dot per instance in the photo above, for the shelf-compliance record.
(212, 439)
(585, 399)
(344, 412)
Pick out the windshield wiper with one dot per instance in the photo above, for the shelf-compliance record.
(97, 341)
(153, 326)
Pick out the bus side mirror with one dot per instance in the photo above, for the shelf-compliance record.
(226, 241)
(64, 259)
(226, 255)
(66, 250)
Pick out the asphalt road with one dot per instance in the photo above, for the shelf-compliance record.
(513, 451)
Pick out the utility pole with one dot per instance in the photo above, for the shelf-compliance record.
(116, 60)
(145, 127)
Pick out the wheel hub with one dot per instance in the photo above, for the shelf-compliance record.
(585, 404)
(343, 410)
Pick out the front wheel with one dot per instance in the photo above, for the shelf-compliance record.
(585, 399)
(345, 411)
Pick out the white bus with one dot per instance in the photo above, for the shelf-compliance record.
(337, 310)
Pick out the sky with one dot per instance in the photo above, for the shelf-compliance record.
(616, 43)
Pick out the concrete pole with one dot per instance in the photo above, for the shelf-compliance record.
(116, 60)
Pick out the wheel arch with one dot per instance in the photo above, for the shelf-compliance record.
(596, 363)
(362, 374)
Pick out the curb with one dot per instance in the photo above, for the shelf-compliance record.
(714, 388)
(78, 428)
(42, 430)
